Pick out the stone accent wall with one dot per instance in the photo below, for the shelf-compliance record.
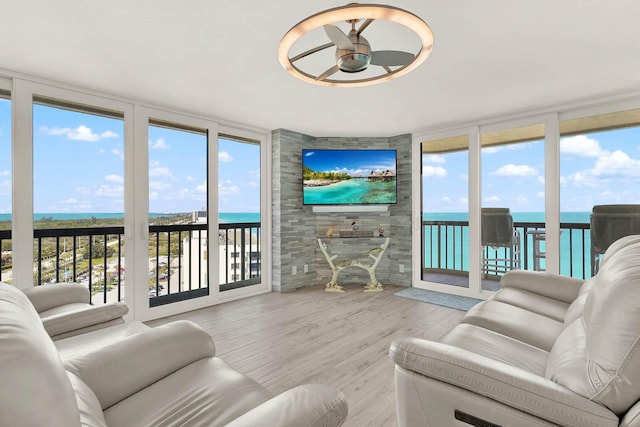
(296, 228)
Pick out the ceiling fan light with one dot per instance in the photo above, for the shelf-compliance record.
(350, 12)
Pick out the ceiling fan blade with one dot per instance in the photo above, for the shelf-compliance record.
(328, 73)
(310, 51)
(364, 25)
(338, 38)
(391, 57)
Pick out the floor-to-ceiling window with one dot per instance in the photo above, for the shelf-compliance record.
(178, 216)
(599, 178)
(445, 211)
(240, 237)
(5, 183)
(512, 227)
(78, 196)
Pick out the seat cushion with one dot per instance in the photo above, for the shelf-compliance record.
(497, 347)
(205, 393)
(520, 324)
(532, 302)
(79, 345)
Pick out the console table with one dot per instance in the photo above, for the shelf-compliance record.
(374, 254)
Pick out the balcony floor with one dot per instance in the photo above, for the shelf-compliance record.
(313, 336)
(458, 280)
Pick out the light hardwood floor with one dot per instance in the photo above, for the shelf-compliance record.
(312, 336)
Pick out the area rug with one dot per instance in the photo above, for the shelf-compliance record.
(439, 298)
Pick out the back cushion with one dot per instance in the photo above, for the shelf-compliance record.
(36, 390)
(617, 245)
(596, 355)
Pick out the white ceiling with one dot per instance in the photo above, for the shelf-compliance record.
(219, 58)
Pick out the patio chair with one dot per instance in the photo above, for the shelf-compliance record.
(500, 242)
(608, 224)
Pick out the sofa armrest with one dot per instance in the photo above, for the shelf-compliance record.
(554, 286)
(305, 405)
(45, 297)
(117, 371)
(517, 388)
(90, 315)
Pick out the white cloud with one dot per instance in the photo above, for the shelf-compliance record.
(521, 200)
(159, 144)
(54, 130)
(5, 189)
(463, 200)
(514, 170)
(108, 134)
(437, 171)
(541, 179)
(160, 171)
(114, 178)
(69, 201)
(224, 190)
(118, 153)
(309, 153)
(85, 191)
(610, 165)
(5, 173)
(81, 133)
(109, 190)
(190, 178)
(153, 195)
(202, 188)
(492, 199)
(434, 158)
(616, 164)
(159, 185)
(445, 199)
(581, 146)
(540, 194)
(223, 156)
(464, 177)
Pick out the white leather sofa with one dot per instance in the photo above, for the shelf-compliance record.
(544, 350)
(132, 375)
(65, 309)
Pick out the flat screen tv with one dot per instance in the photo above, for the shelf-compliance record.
(349, 177)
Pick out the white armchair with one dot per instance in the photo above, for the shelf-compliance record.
(65, 309)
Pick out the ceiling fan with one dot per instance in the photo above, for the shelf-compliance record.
(353, 52)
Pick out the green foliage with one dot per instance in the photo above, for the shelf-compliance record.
(309, 174)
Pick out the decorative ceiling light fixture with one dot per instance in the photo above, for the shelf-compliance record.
(353, 52)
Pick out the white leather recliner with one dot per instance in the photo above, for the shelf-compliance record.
(163, 376)
(65, 310)
(544, 350)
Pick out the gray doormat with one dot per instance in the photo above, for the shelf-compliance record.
(439, 298)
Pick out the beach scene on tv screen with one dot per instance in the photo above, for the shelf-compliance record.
(348, 177)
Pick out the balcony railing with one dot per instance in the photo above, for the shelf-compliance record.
(446, 247)
(177, 259)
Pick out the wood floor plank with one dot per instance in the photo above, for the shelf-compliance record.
(312, 336)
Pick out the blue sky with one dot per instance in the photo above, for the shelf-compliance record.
(351, 162)
(597, 168)
(79, 166)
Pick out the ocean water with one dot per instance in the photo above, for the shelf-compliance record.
(351, 191)
(226, 217)
(451, 249)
